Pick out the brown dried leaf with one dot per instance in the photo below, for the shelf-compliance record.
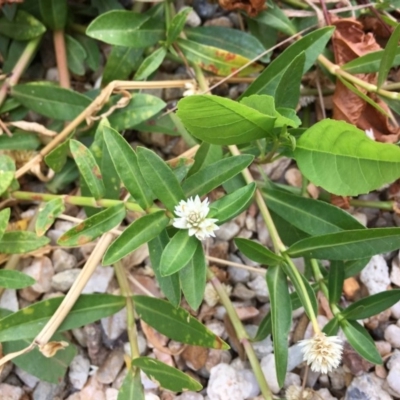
(51, 348)
(340, 201)
(356, 364)
(156, 339)
(252, 7)
(2, 2)
(195, 357)
(233, 337)
(350, 42)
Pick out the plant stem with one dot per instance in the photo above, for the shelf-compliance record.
(381, 205)
(241, 334)
(61, 57)
(20, 67)
(130, 309)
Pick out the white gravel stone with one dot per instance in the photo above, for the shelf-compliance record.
(366, 386)
(9, 300)
(192, 20)
(111, 394)
(63, 260)
(295, 357)
(269, 370)
(9, 392)
(375, 275)
(151, 396)
(28, 379)
(64, 280)
(79, 371)
(227, 231)
(99, 281)
(42, 271)
(325, 394)
(263, 347)
(248, 383)
(147, 383)
(259, 285)
(392, 335)
(395, 310)
(393, 380)
(189, 396)
(237, 274)
(115, 324)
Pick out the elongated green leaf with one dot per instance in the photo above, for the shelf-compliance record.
(140, 108)
(7, 170)
(281, 318)
(369, 63)
(361, 341)
(312, 44)
(47, 215)
(332, 327)
(232, 40)
(139, 232)
(48, 369)
(257, 252)
(288, 233)
(94, 226)
(50, 101)
(88, 168)
(132, 387)
(126, 28)
(178, 252)
(10, 279)
(20, 242)
(57, 158)
(67, 175)
(214, 175)
(177, 24)
(103, 6)
(335, 282)
(23, 27)
(28, 322)
(193, 279)
(288, 90)
(372, 305)
(311, 216)
(231, 205)
(125, 162)
(92, 52)
(19, 141)
(150, 64)
(205, 155)
(168, 377)
(327, 151)
(218, 61)
(4, 218)
(76, 55)
(275, 18)
(176, 323)
(353, 267)
(169, 285)
(348, 245)
(218, 120)
(54, 13)
(160, 178)
(388, 56)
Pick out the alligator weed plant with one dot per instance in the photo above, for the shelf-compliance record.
(129, 197)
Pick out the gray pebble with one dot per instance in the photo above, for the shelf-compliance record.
(64, 280)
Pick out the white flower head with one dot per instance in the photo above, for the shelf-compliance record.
(323, 353)
(192, 215)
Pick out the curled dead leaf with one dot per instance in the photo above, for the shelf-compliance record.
(51, 348)
(33, 127)
(252, 7)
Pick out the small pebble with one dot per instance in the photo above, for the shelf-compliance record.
(64, 280)
(115, 324)
(107, 373)
(28, 379)
(259, 286)
(365, 387)
(99, 281)
(375, 275)
(192, 20)
(9, 300)
(220, 21)
(8, 392)
(63, 260)
(47, 391)
(227, 231)
(79, 371)
(242, 292)
(392, 335)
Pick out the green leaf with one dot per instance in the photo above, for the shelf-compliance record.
(309, 215)
(48, 369)
(335, 282)
(50, 101)
(126, 28)
(150, 64)
(361, 341)
(76, 55)
(160, 178)
(20, 242)
(332, 327)
(231, 205)
(214, 175)
(23, 27)
(169, 285)
(10, 279)
(177, 24)
(257, 252)
(218, 61)
(47, 215)
(132, 387)
(57, 158)
(312, 44)
(328, 150)
(94, 226)
(120, 63)
(139, 232)
(4, 218)
(125, 162)
(348, 245)
(178, 252)
(7, 170)
(353, 267)
(175, 323)
(88, 168)
(287, 93)
(67, 175)
(193, 279)
(103, 6)
(92, 52)
(205, 155)
(369, 63)
(281, 317)
(371, 305)
(232, 40)
(28, 322)
(168, 377)
(388, 56)
(140, 108)
(275, 18)
(54, 13)
(219, 120)
(160, 123)
(19, 141)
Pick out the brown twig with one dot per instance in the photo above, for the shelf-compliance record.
(61, 57)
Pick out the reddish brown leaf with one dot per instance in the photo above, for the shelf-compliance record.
(252, 7)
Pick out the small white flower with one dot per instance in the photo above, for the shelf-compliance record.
(370, 133)
(323, 353)
(192, 215)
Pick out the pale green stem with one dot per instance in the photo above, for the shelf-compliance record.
(381, 205)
